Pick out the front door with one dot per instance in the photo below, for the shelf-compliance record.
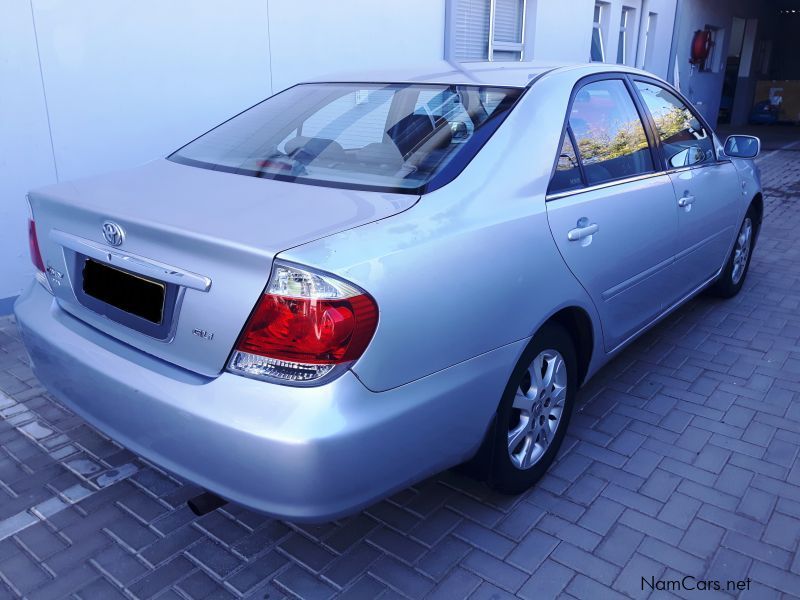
(707, 191)
(611, 213)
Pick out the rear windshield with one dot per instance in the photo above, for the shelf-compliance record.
(389, 137)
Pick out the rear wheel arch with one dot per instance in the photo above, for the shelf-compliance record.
(579, 326)
(757, 203)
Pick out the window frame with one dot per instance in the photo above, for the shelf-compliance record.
(651, 132)
(646, 42)
(644, 117)
(665, 167)
(494, 44)
(601, 9)
(625, 37)
(491, 45)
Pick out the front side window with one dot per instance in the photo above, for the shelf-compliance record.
(387, 137)
(609, 134)
(683, 138)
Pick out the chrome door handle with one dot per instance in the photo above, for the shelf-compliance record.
(579, 233)
(686, 201)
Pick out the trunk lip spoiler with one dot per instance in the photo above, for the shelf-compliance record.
(132, 262)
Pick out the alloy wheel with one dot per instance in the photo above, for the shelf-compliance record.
(537, 409)
(741, 253)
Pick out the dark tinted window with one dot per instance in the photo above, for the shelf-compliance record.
(684, 139)
(609, 133)
(568, 173)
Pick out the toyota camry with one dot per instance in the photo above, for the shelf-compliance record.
(362, 281)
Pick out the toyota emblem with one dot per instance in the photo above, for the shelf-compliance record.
(113, 233)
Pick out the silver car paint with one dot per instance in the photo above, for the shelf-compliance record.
(306, 454)
(217, 225)
(627, 266)
(463, 279)
(474, 258)
(706, 226)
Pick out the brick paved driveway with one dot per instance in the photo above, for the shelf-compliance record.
(682, 460)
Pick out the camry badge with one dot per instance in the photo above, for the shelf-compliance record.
(113, 233)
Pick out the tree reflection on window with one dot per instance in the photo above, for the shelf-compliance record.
(568, 173)
(684, 139)
(609, 134)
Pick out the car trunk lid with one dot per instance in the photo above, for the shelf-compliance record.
(209, 236)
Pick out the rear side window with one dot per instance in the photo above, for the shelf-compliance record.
(568, 172)
(610, 137)
(684, 139)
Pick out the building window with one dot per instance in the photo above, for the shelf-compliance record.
(486, 30)
(625, 28)
(506, 29)
(648, 39)
(598, 53)
(470, 31)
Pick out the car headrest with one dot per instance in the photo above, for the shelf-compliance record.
(410, 131)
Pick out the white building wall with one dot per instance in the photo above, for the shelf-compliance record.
(122, 83)
(128, 81)
(310, 38)
(26, 159)
(657, 59)
(562, 30)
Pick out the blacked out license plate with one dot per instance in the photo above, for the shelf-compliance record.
(126, 291)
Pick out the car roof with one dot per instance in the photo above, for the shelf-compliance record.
(510, 74)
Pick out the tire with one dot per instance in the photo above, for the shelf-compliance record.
(514, 469)
(732, 278)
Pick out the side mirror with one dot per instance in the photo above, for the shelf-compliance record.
(742, 146)
(686, 157)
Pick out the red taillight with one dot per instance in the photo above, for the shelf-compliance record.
(310, 331)
(33, 243)
(304, 325)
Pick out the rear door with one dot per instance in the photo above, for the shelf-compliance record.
(611, 212)
(707, 190)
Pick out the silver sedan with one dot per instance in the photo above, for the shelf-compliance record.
(358, 283)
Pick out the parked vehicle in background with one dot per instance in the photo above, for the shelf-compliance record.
(356, 284)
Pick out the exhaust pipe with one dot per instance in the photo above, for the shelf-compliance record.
(204, 503)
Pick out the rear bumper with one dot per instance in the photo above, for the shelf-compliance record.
(304, 454)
